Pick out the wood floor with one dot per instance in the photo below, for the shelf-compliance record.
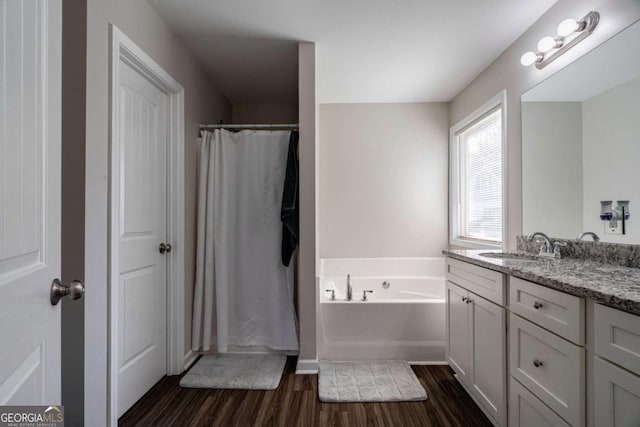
(295, 403)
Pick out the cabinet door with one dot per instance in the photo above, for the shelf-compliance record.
(488, 355)
(617, 396)
(458, 338)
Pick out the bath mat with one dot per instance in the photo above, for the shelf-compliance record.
(236, 371)
(369, 381)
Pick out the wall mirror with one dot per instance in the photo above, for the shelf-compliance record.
(581, 144)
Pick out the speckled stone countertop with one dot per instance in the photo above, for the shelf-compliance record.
(612, 285)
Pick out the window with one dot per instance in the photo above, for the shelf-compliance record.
(477, 178)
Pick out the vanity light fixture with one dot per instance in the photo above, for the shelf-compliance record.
(570, 33)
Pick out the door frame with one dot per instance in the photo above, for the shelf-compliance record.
(123, 49)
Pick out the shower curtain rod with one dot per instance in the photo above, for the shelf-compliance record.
(253, 126)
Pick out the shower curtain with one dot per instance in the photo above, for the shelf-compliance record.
(238, 266)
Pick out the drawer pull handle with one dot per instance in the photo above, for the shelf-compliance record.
(537, 305)
(537, 363)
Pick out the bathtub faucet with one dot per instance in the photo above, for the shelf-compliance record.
(349, 290)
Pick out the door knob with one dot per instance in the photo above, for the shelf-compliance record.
(73, 290)
(165, 247)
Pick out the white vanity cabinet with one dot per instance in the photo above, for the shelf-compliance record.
(477, 334)
(557, 345)
(616, 368)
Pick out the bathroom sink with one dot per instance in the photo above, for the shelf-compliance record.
(511, 256)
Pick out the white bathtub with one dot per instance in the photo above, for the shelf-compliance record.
(404, 321)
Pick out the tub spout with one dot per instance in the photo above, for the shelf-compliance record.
(349, 290)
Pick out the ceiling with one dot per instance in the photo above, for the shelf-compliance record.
(366, 50)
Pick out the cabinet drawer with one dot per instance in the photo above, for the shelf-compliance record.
(617, 337)
(556, 311)
(526, 410)
(617, 395)
(550, 367)
(487, 283)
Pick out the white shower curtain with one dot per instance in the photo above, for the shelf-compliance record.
(239, 273)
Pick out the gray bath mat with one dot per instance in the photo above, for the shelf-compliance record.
(369, 381)
(236, 371)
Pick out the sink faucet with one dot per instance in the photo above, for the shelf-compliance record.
(547, 245)
(593, 235)
(349, 290)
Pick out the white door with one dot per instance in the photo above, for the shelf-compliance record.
(458, 330)
(30, 105)
(488, 355)
(142, 270)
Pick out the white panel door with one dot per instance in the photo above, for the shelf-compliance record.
(142, 281)
(30, 105)
(488, 355)
(458, 339)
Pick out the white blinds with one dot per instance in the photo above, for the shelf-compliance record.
(481, 179)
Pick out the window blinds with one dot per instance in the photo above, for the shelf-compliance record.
(481, 179)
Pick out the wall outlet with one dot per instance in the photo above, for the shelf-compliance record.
(613, 227)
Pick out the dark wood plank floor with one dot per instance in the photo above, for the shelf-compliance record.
(295, 403)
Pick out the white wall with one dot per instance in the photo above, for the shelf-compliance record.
(383, 180)
(203, 103)
(507, 73)
(552, 168)
(611, 155)
(264, 113)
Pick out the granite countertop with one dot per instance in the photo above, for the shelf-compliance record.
(612, 285)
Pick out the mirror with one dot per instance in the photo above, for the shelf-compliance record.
(581, 144)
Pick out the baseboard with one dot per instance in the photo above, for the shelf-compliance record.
(189, 359)
(423, 362)
(307, 366)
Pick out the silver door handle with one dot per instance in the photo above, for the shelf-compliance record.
(165, 247)
(73, 290)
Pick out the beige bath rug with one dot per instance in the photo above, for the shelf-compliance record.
(236, 371)
(369, 381)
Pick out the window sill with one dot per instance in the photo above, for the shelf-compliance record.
(470, 244)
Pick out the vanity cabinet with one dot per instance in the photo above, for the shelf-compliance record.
(476, 335)
(556, 344)
(616, 368)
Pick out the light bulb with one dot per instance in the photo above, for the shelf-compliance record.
(529, 58)
(546, 44)
(567, 27)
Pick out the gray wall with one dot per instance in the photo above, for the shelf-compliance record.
(74, 73)
(383, 179)
(203, 103)
(264, 113)
(308, 156)
(611, 155)
(507, 73)
(552, 168)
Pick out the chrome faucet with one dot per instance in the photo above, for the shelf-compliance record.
(547, 247)
(593, 235)
(349, 290)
